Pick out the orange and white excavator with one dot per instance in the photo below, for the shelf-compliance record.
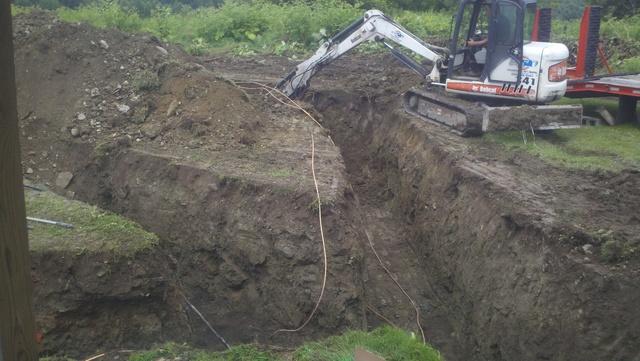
(497, 73)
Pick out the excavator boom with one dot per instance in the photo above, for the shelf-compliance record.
(374, 26)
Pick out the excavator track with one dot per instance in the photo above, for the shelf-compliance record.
(468, 118)
(462, 116)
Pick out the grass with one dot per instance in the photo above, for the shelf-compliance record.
(591, 105)
(281, 173)
(390, 343)
(593, 148)
(17, 10)
(94, 231)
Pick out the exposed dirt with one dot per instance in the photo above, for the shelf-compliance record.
(223, 179)
(508, 257)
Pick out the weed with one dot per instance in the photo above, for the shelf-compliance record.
(145, 80)
(631, 65)
(281, 173)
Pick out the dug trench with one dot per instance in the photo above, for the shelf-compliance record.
(490, 246)
(498, 273)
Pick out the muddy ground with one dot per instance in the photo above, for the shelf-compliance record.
(503, 253)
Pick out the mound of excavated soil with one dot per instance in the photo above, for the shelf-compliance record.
(129, 123)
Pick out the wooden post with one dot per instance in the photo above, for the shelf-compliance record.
(17, 326)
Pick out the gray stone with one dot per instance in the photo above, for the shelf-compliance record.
(172, 108)
(162, 50)
(123, 108)
(64, 179)
(104, 45)
(151, 129)
(75, 132)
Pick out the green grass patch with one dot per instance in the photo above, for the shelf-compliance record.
(95, 230)
(17, 10)
(595, 148)
(390, 343)
(281, 173)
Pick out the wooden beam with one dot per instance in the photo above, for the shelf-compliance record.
(17, 326)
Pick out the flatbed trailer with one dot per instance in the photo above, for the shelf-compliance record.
(625, 87)
(582, 81)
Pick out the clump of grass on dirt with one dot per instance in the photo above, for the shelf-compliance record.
(390, 343)
(593, 148)
(94, 231)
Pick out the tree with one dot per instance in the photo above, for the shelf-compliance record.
(17, 329)
(570, 9)
(619, 8)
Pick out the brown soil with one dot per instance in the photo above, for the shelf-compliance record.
(503, 253)
(223, 179)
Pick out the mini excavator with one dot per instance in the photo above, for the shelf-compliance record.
(497, 73)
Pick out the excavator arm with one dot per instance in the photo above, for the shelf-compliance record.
(374, 26)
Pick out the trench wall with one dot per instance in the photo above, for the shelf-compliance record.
(511, 287)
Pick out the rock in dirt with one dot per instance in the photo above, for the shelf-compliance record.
(75, 132)
(162, 50)
(140, 114)
(151, 130)
(95, 92)
(172, 108)
(29, 171)
(123, 108)
(64, 179)
(104, 45)
(587, 249)
(81, 116)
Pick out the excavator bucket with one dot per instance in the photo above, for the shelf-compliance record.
(469, 118)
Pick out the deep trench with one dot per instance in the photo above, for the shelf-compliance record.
(373, 177)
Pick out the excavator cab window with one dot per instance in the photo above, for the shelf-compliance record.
(471, 37)
(504, 64)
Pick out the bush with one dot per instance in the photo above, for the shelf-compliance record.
(631, 65)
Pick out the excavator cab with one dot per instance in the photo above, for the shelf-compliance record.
(488, 39)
